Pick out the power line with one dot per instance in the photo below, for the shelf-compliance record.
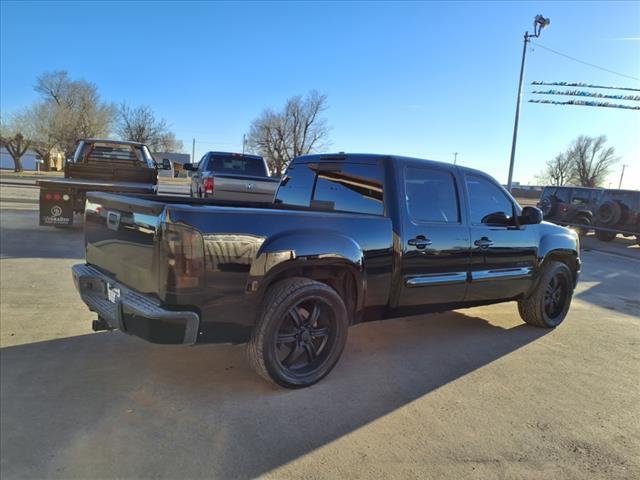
(583, 62)
(583, 85)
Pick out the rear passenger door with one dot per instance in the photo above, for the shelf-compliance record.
(435, 239)
(503, 255)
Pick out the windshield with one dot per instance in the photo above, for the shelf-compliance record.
(253, 166)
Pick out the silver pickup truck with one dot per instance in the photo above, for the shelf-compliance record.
(232, 176)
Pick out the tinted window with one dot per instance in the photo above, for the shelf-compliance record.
(238, 165)
(581, 197)
(547, 192)
(431, 195)
(112, 153)
(486, 198)
(296, 185)
(349, 188)
(563, 195)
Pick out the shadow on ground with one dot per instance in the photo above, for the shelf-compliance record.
(132, 409)
(609, 283)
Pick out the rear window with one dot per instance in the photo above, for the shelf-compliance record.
(112, 153)
(346, 187)
(237, 165)
(353, 188)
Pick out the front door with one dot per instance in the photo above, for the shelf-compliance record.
(503, 254)
(435, 249)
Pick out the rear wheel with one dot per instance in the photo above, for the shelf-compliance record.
(605, 236)
(301, 334)
(548, 304)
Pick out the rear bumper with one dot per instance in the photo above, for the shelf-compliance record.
(131, 312)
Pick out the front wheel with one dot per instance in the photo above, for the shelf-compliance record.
(548, 304)
(301, 333)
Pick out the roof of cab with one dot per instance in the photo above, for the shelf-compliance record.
(232, 154)
(110, 140)
(364, 157)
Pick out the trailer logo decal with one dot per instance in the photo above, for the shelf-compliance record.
(56, 211)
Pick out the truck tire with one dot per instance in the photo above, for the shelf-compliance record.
(548, 206)
(605, 236)
(609, 213)
(585, 223)
(548, 304)
(301, 333)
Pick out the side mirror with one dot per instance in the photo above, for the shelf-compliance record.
(189, 166)
(530, 216)
(166, 164)
(496, 218)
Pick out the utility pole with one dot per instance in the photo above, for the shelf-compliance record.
(538, 24)
(455, 157)
(193, 151)
(244, 142)
(622, 175)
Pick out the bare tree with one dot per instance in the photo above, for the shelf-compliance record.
(12, 137)
(75, 110)
(296, 130)
(591, 160)
(558, 171)
(140, 125)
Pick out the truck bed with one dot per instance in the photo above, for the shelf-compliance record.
(103, 185)
(242, 243)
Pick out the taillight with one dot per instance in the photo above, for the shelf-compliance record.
(208, 186)
(183, 250)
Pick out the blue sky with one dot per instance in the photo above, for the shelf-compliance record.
(420, 79)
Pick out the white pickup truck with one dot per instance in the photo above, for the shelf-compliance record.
(232, 176)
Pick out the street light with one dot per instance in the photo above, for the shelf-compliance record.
(539, 22)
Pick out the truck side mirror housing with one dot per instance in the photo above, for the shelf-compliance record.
(530, 216)
(189, 166)
(166, 164)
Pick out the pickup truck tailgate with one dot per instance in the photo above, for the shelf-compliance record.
(232, 187)
(120, 235)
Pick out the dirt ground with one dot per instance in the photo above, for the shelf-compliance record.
(473, 393)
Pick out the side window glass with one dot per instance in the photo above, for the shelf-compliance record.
(580, 197)
(488, 203)
(563, 195)
(296, 185)
(349, 188)
(431, 195)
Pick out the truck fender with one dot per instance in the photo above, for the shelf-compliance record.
(560, 245)
(306, 249)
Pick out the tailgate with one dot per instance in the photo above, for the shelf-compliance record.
(239, 187)
(120, 234)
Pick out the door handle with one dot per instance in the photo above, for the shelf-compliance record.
(484, 242)
(420, 242)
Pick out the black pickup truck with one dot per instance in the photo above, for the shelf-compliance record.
(349, 238)
(97, 165)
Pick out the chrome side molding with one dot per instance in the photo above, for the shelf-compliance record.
(436, 279)
(502, 274)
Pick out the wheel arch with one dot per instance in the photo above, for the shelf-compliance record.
(328, 257)
(563, 248)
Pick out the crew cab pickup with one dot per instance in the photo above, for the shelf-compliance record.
(97, 165)
(349, 238)
(232, 176)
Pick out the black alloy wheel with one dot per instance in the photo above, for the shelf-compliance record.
(305, 335)
(548, 303)
(301, 333)
(556, 295)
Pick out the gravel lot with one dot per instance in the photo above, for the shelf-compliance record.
(471, 393)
